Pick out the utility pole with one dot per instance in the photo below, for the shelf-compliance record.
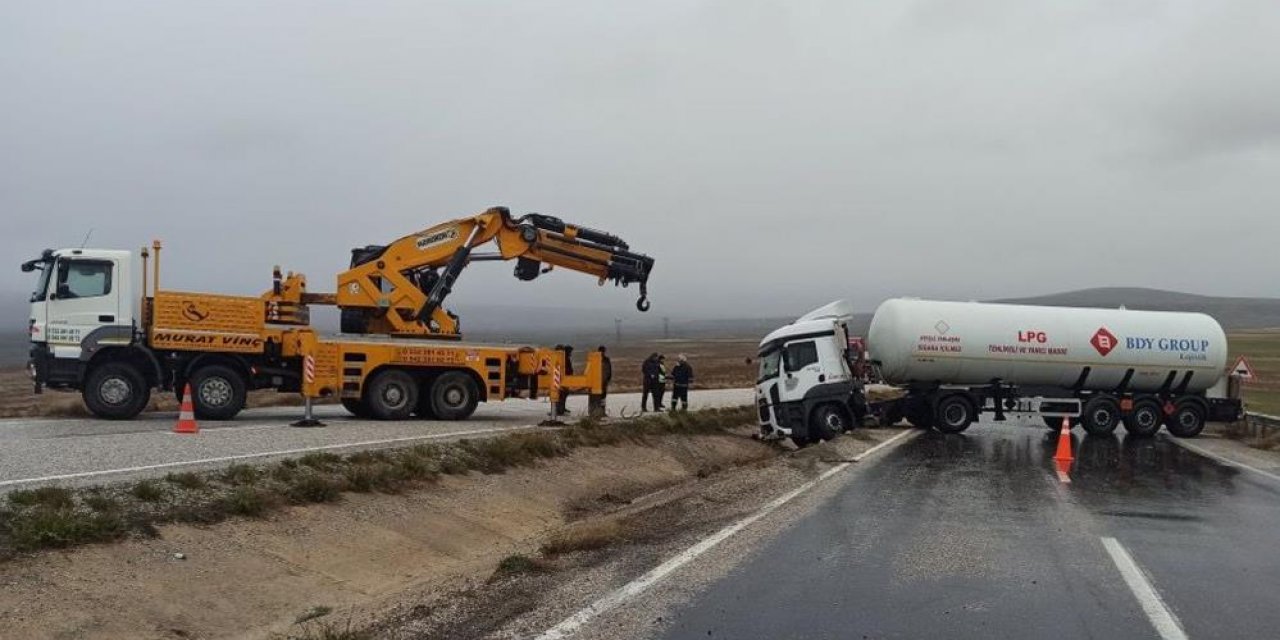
(617, 331)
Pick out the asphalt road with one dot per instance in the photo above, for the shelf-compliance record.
(973, 536)
(90, 451)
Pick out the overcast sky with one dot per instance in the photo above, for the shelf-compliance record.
(770, 155)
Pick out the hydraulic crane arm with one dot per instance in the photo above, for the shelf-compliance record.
(400, 288)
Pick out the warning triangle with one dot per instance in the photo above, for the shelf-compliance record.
(1243, 369)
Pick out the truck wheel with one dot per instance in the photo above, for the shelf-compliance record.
(920, 415)
(955, 414)
(1144, 419)
(357, 408)
(1187, 420)
(116, 391)
(217, 392)
(454, 396)
(391, 395)
(1100, 416)
(828, 421)
(800, 441)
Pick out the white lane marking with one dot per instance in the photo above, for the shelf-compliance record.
(1161, 617)
(250, 456)
(1222, 459)
(573, 623)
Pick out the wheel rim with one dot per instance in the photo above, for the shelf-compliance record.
(834, 421)
(454, 396)
(215, 392)
(1146, 419)
(954, 415)
(115, 391)
(1188, 420)
(1103, 418)
(393, 396)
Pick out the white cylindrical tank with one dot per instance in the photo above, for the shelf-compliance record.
(974, 343)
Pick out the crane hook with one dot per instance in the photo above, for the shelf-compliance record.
(642, 304)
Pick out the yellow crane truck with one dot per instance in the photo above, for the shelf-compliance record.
(400, 353)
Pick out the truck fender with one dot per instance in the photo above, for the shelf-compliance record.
(144, 357)
(105, 338)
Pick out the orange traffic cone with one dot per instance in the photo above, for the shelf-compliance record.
(187, 416)
(1063, 456)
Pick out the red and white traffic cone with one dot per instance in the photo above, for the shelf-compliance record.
(187, 416)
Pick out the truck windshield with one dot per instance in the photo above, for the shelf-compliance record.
(770, 363)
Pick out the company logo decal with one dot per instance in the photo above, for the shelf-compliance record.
(433, 239)
(1104, 341)
(194, 311)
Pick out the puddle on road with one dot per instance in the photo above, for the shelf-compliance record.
(1114, 465)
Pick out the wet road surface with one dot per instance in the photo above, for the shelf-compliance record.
(973, 536)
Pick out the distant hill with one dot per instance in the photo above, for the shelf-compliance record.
(1232, 313)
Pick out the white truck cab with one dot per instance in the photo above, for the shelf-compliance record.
(806, 389)
(83, 302)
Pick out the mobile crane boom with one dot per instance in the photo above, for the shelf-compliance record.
(400, 288)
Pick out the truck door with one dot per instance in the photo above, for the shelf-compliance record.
(801, 369)
(82, 297)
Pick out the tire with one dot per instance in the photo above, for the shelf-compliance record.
(454, 396)
(920, 415)
(1187, 420)
(1100, 416)
(829, 421)
(800, 441)
(217, 392)
(1144, 419)
(391, 395)
(955, 413)
(357, 408)
(115, 391)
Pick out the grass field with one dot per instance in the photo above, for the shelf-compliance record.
(1262, 348)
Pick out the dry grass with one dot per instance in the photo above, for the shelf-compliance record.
(1262, 348)
(585, 536)
(57, 517)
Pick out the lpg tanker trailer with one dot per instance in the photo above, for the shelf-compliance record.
(954, 361)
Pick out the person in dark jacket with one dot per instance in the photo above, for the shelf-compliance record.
(660, 386)
(649, 372)
(681, 378)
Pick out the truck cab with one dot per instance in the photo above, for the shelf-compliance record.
(83, 303)
(806, 389)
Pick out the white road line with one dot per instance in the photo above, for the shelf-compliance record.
(573, 623)
(1161, 617)
(1222, 459)
(250, 456)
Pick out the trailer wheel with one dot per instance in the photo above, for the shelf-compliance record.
(217, 392)
(1144, 419)
(1187, 420)
(1100, 416)
(955, 414)
(357, 408)
(829, 421)
(800, 441)
(391, 395)
(115, 391)
(454, 396)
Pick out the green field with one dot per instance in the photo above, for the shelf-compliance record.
(1262, 348)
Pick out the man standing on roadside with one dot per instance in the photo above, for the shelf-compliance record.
(681, 378)
(649, 372)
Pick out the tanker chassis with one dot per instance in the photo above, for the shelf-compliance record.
(953, 361)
